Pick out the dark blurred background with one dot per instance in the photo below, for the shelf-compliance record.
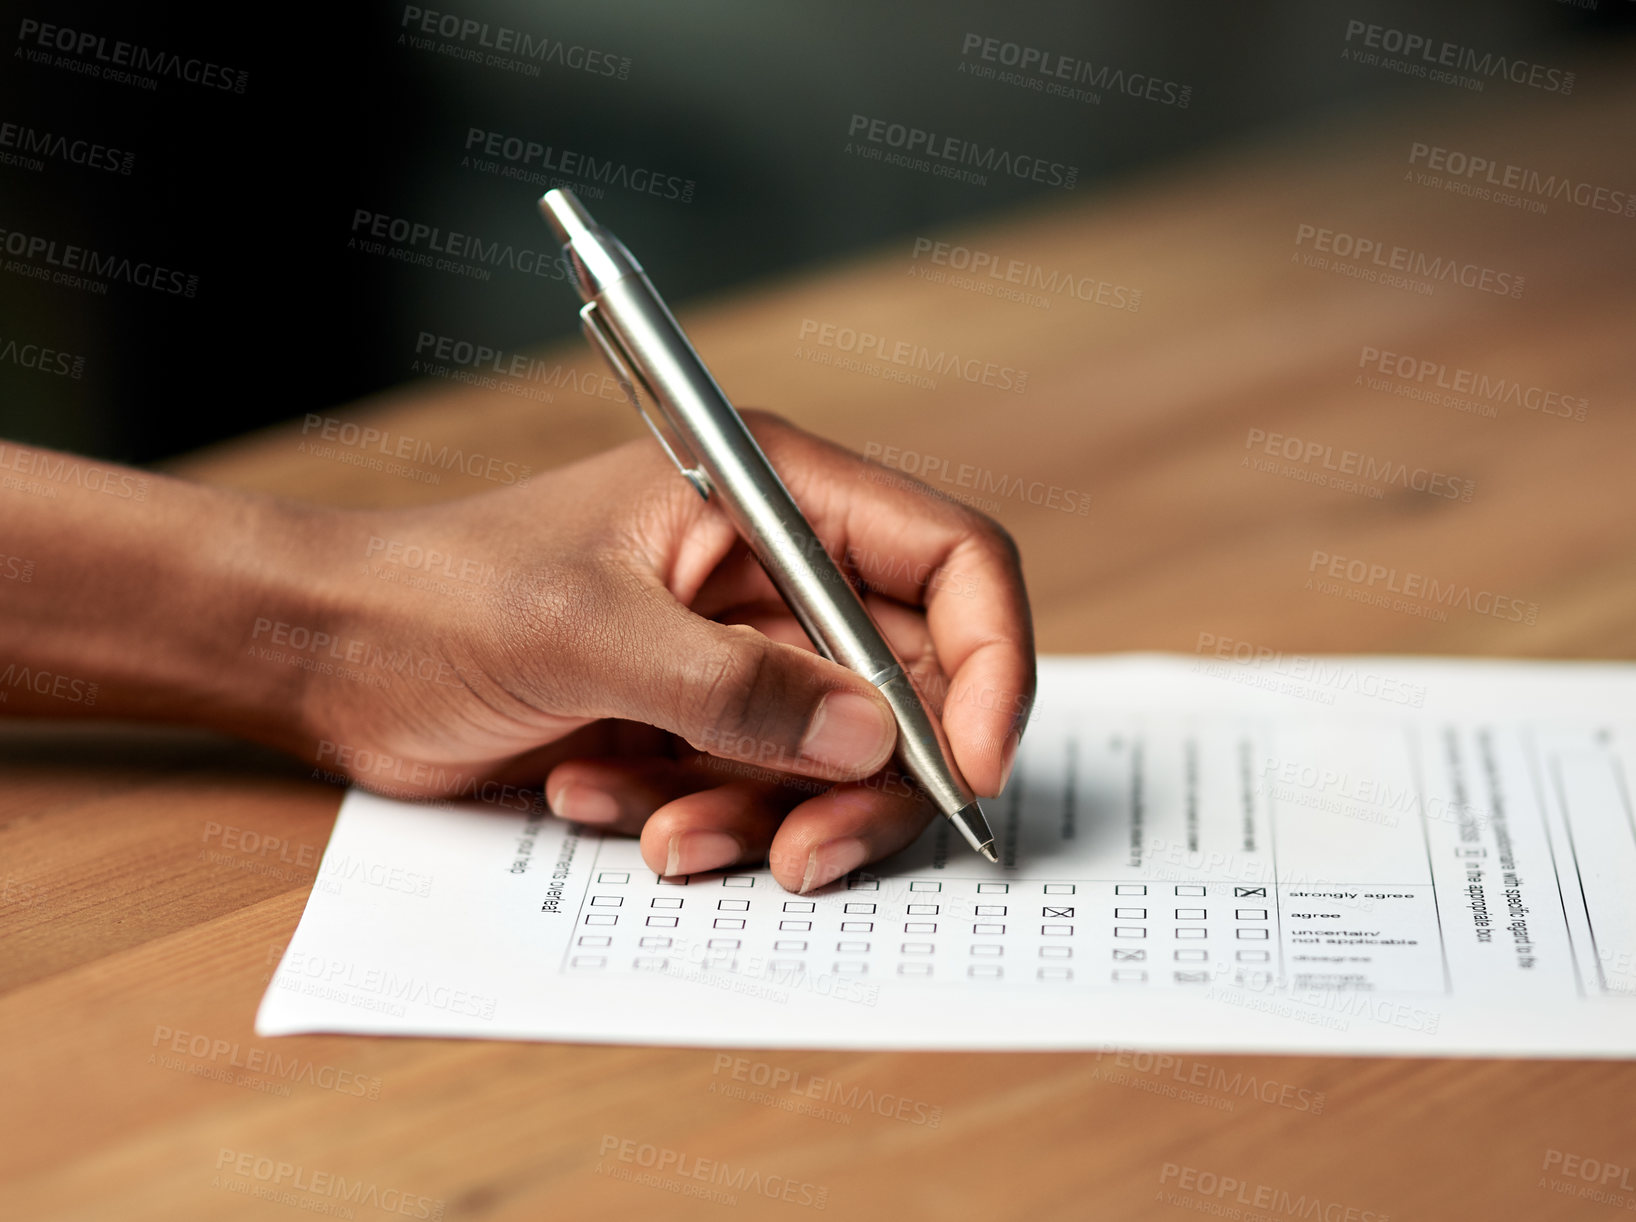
(735, 115)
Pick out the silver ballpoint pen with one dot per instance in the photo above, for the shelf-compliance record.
(624, 317)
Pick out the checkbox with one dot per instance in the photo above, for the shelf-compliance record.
(787, 944)
(675, 880)
(851, 969)
(589, 961)
(923, 909)
(1192, 976)
(918, 948)
(1189, 890)
(607, 901)
(1190, 914)
(613, 876)
(990, 909)
(857, 926)
(1252, 935)
(1253, 956)
(739, 880)
(864, 883)
(1121, 955)
(914, 969)
(993, 888)
(662, 922)
(798, 905)
(666, 901)
(1130, 914)
(1049, 911)
(987, 950)
(596, 939)
(1130, 889)
(860, 908)
(1059, 888)
(1129, 931)
(920, 927)
(655, 942)
(988, 928)
(985, 971)
(723, 943)
(729, 922)
(1129, 975)
(1192, 956)
(732, 905)
(1056, 931)
(649, 963)
(795, 926)
(925, 886)
(608, 918)
(1247, 892)
(1193, 932)
(1055, 973)
(1251, 914)
(852, 948)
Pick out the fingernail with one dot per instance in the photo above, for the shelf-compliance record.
(584, 804)
(697, 852)
(849, 731)
(830, 861)
(1008, 758)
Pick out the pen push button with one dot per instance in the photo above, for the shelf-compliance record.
(608, 343)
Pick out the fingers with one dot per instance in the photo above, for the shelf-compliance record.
(835, 833)
(906, 541)
(730, 691)
(712, 829)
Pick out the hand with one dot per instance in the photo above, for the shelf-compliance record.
(588, 629)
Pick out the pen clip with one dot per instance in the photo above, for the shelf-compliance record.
(597, 332)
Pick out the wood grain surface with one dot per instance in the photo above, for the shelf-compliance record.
(129, 929)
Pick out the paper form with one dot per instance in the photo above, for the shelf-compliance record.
(1348, 855)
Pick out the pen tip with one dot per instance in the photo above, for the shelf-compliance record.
(987, 851)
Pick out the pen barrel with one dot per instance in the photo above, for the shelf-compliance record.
(768, 519)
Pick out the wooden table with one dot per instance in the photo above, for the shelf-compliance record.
(131, 929)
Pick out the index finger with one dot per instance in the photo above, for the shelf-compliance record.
(907, 541)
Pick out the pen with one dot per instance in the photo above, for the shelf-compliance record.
(624, 317)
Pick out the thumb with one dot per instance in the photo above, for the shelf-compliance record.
(733, 692)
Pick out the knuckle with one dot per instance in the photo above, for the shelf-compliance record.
(736, 677)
